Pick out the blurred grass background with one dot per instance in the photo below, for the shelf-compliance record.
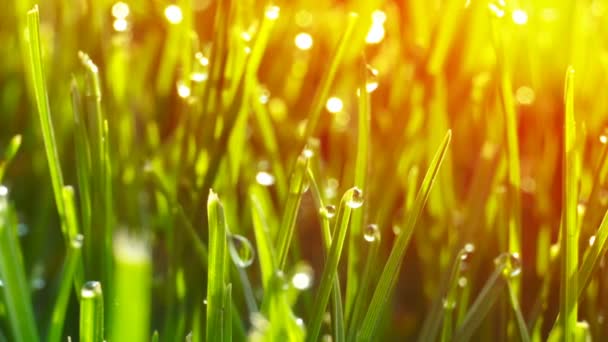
(493, 72)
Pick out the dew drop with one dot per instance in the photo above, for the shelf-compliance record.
(591, 240)
(302, 279)
(264, 95)
(356, 199)
(91, 289)
(264, 178)
(183, 90)
(396, 229)
(328, 211)
(509, 263)
(603, 139)
(299, 322)
(241, 250)
(371, 83)
(463, 282)
(497, 8)
(272, 12)
(371, 233)
(174, 15)
(449, 304)
(3, 191)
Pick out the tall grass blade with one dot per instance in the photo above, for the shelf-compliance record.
(352, 199)
(17, 300)
(390, 272)
(91, 312)
(217, 272)
(569, 247)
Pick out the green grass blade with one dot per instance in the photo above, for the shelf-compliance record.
(592, 256)
(132, 280)
(524, 335)
(91, 312)
(490, 292)
(217, 272)
(361, 170)
(390, 272)
(9, 154)
(328, 77)
(569, 247)
(72, 261)
(44, 110)
(266, 254)
(297, 185)
(227, 319)
(450, 299)
(16, 292)
(352, 199)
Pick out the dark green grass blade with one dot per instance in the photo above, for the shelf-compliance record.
(390, 272)
(72, 262)
(12, 272)
(351, 199)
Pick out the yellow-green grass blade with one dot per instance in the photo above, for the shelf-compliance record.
(450, 299)
(227, 313)
(216, 272)
(569, 246)
(9, 154)
(389, 275)
(91, 312)
(297, 185)
(351, 200)
(44, 110)
(361, 170)
(68, 273)
(130, 314)
(17, 300)
(328, 77)
(266, 253)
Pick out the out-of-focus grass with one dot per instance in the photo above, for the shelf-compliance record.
(122, 116)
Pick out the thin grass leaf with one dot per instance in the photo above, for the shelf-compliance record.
(328, 76)
(524, 335)
(592, 256)
(361, 170)
(352, 199)
(388, 279)
(297, 184)
(569, 247)
(15, 287)
(72, 261)
(227, 313)
(91, 312)
(266, 252)
(217, 272)
(132, 283)
(450, 299)
(44, 110)
(9, 154)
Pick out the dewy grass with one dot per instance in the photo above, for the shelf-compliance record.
(91, 312)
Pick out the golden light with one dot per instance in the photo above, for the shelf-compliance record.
(525, 95)
(520, 17)
(334, 105)
(303, 41)
(174, 14)
(272, 12)
(303, 18)
(497, 8)
(120, 10)
(376, 32)
(120, 25)
(183, 90)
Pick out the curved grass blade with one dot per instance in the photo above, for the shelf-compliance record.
(44, 110)
(17, 299)
(351, 199)
(91, 312)
(390, 273)
(72, 262)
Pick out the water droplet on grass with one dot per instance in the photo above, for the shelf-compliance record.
(371, 233)
(509, 263)
(241, 250)
(591, 240)
(302, 279)
(356, 199)
(449, 304)
(91, 289)
(264, 178)
(328, 211)
(463, 282)
(371, 83)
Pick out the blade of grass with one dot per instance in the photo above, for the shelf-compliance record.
(9, 154)
(569, 247)
(524, 335)
(72, 261)
(361, 168)
(297, 184)
(131, 314)
(16, 288)
(216, 272)
(352, 199)
(388, 279)
(328, 77)
(227, 313)
(91, 312)
(44, 110)
(450, 299)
